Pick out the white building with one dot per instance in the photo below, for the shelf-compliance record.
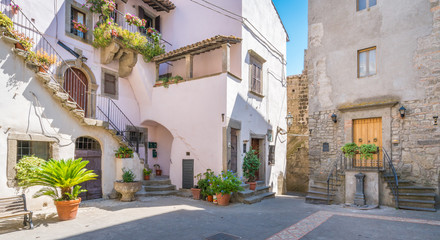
(231, 55)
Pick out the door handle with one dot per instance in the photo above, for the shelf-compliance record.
(375, 139)
(360, 139)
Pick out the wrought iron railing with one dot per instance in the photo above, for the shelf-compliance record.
(72, 84)
(108, 111)
(391, 177)
(42, 46)
(333, 175)
(357, 163)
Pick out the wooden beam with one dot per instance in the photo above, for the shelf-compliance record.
(189, 60)
(160, 5)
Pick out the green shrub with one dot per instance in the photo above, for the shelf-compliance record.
(367, 151)
(124, 152)
(225, 183)
(350, 149)
(128, 175)
(27, 168)
(251, 164)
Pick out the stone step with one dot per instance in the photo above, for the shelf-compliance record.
(416, 194)
(317, 200)
(311, 193)
(156, 193)
(154, 188)
(245, 186)
(258, 198)
(155, 182)
(324, 183)
(417, 203)
(418, 208)
(322, 188)
(417, 188)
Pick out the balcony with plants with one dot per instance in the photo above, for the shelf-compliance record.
(123, 39)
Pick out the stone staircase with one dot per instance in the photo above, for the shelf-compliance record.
(159, 186)
(57, 92)
(247, 196)
(317, 193)
(411, 196)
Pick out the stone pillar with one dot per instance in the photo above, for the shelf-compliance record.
(189, 66)
(226, 57)
(359, 196)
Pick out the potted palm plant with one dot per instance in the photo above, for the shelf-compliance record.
(128, 186)
(60, 179)
(251, 164)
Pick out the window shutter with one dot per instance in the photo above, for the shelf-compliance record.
(157, 23)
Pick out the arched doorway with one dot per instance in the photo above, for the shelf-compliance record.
(89, 149)
(76, 85)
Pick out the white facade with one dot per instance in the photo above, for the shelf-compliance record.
(189, 120)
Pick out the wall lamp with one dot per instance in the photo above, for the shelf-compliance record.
(435, 120)
(334, 118)
(402, 111)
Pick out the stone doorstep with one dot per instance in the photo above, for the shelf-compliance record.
(153, 188)
(143, 193)
(258, 198)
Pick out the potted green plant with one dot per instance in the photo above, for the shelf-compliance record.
(350, 150)
(60, 179)
(147, 171)
(124, 152)
(196, 189)
(223, 185)
(367, 150)
(251, 164)
(157, 169)
(203, 188)
(24, 43)
(128, 186)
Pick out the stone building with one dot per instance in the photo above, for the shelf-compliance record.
(366, 60)
(297, 165)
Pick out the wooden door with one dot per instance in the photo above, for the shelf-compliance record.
(255, 144)
(89, 149)
(368, 131)
(76, 85)
(234, 150)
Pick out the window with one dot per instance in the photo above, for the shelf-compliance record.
(109, 83)
(367, 62)
(153, 22)
(79, 17)
(85, 143)
(256, 75)
(28, 148)
(362, 4)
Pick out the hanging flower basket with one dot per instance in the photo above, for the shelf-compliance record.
(79, 26)
(14, 9)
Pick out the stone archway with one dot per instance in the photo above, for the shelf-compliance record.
(89, 149)
(92, 86)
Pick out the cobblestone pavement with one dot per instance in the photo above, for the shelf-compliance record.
(284, 217)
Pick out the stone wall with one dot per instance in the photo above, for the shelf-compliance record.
(297, 147)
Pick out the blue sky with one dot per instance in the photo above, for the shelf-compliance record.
(294, 16)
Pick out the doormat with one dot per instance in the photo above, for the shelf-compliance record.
(222, 236)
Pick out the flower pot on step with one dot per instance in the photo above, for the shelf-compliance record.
(210, 198)
(223, 199)
(43, 68)
(19, 46)
(252, 185)
(67, 210)
(127, 190)
(158, 172)
(196, 193)
(147, 177)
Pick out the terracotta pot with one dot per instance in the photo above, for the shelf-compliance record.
(210, 198)
(14, 11)
(158, 172)
(196, 193)
(223, 199)
(19, 46)
(147, 177)
(67, 210)
(43, 69)
(127, 190)
(252, 185)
